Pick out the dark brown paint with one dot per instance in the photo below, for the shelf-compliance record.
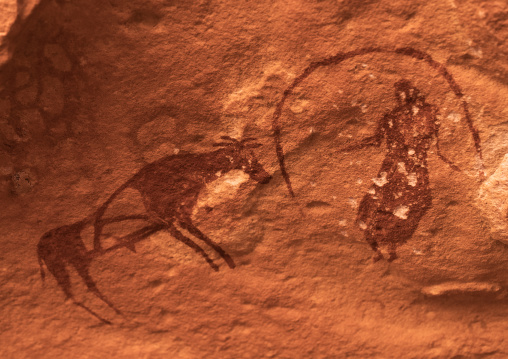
(392, 209)
(342, 56)
(169, 188)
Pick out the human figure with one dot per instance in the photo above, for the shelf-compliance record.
(390, 211)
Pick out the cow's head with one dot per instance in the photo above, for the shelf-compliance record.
(241, 157)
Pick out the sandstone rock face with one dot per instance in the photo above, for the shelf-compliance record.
(493, 201)
(141, 145)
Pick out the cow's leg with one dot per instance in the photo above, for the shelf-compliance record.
(178, 235)
(82, 267)
(57, 267)
(375, 247)
(59, 271)
(81, 305)
(187, 224)
(392, 250)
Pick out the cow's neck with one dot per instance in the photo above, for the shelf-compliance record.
(217, 165)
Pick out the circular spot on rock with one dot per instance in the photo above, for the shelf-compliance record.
(163, 127)
(27, 96)
(22, 78)
(56, 54)
(166, 149)
(23, 181)
(32, 122)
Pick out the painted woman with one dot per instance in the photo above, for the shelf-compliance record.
(399, 197)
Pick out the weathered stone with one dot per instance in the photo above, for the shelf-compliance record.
(22, 78)
(165, 149)
(23, 181)
(32, 122)
(163, 127)
(8, 132)
(450, 288)
(27, 95)
(125, 83)
(52, 96)
(5, 109)
(493, 201)
(7, 16)
(56, 54)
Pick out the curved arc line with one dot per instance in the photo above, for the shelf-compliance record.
(342, 56)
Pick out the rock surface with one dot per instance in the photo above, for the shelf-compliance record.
(494, 202)
(92, 92)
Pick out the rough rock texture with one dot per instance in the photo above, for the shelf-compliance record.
(493, 201)
(92, 92)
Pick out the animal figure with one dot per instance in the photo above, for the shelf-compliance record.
(64, 246)
(391, 210)
(170, 187)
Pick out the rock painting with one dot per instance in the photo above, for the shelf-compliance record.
(63, 246)
(169, 188)
(392, 209)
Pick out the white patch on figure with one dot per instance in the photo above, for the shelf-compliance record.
(415, 110)
(454, 117)
(401, 212)
(362, 225)
(342, 223)
(222, 190)
(402, 95)
(380, 181)
(359, 181)
(412, 179)
(236, 181)
(390, 123)
(372, 190)
(401, 168)
(411, 152)
(218, 174)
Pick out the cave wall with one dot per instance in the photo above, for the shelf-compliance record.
(94, 92)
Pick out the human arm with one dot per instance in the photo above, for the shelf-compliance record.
(374, 140)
